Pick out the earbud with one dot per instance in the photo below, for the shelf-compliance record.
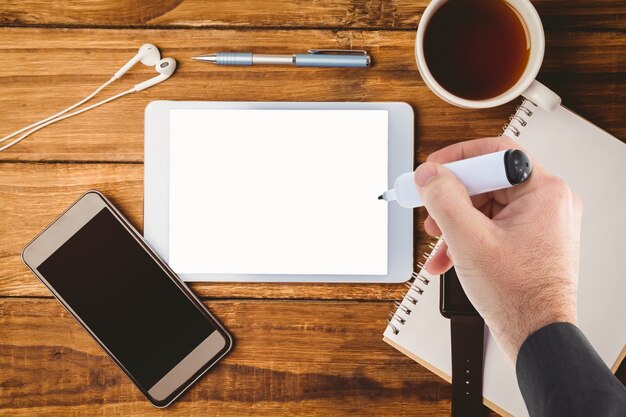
(148, 55)
(165, 68)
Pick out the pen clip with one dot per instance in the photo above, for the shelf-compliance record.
(337, 51)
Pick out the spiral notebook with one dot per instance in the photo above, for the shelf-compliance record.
(593, 163)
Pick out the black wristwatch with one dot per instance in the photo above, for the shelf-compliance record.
(467, 334)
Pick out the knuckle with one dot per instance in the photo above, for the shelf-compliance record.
(506, 142)
(578, 202)
(559, 189)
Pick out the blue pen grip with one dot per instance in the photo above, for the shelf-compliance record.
(330, 60)
(234, 58)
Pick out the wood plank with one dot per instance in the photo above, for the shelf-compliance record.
(118, 136)
(556, 14)
(52, 68)
(33, 194)
(325, 358)
(294, 358)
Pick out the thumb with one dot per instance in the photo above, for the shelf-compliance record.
(448, 203)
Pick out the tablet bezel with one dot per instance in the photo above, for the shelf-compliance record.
(157, 175)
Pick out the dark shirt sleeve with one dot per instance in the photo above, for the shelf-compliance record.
(560, 374)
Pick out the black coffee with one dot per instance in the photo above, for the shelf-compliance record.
(476, 49)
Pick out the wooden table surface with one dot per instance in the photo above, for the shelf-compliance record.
(300, 349)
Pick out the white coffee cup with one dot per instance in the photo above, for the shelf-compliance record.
(526, 86)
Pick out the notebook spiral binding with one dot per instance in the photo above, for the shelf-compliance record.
(417, 285)
(519, 119)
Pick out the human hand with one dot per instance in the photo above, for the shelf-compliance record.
(515, 250)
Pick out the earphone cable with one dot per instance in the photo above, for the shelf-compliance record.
(58, 119)
(62, 112)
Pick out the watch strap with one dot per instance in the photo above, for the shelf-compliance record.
(467, 335)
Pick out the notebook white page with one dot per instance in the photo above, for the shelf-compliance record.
(278, 191)
(593, 163)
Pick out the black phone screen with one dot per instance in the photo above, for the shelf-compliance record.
(126, 299)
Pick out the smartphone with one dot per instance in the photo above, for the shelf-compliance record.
(100, 268)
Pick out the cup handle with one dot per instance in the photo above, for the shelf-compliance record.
(542, 96)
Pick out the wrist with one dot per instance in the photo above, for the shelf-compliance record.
(513, 337)
(530, 308)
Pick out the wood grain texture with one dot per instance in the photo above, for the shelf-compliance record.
(51, 70)
(33, 194)
(290, 358)
(403, 14)
(294, 354)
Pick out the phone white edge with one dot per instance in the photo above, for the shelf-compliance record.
(179, 379)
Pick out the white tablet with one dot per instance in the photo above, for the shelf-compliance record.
(278, 191)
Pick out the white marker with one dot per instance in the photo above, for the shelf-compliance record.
(479, 175)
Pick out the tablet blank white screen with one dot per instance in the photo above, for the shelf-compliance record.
(278, 192)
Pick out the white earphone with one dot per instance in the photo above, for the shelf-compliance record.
(148, 55)
(165, 67)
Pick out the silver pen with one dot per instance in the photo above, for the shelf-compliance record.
(330, 58)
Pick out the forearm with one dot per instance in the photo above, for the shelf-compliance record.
(559, 373)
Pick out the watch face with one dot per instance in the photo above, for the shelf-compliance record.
(452, 299)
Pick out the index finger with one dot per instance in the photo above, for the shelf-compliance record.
(472, 148)
(477, 147)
